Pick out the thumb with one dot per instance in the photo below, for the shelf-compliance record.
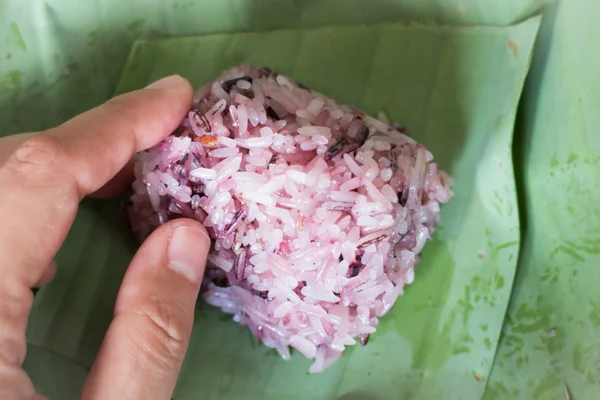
(146, 343)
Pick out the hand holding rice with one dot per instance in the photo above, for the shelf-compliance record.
(317, 211)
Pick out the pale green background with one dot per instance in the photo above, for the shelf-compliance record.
(552, 331)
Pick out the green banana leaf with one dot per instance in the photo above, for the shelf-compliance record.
(60, 57)
(551, 345)
(455, 89)
(61, 378)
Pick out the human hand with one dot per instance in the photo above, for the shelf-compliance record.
(43, 177)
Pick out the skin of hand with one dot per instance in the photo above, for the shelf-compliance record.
(43, 177)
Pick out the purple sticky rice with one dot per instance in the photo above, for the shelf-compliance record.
(317, 211)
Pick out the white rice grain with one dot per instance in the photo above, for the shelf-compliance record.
(203, 173)
(324, 131)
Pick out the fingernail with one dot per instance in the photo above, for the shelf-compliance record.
(166, 83)
(187, 252)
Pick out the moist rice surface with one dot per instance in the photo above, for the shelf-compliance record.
(317, 211)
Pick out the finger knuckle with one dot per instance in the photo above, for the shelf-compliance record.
(14, 311)
(38, 153)
(165, 332)
(16, 307)
(14, 382)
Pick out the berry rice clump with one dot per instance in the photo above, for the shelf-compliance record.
(317, 211)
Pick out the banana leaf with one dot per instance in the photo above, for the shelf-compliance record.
(550, 347)
(61, 378)
(456, 90)
(61, 57)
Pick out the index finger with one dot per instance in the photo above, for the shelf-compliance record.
(46, 177)
(99, 143)
(43, 181)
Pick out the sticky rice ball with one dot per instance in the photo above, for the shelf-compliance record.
(317, 212)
